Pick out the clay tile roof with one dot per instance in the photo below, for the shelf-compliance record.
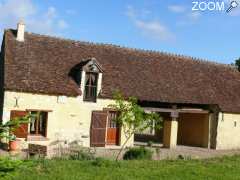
(41, 64)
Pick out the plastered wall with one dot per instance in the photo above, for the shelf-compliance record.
(69, 119)
(228, 131)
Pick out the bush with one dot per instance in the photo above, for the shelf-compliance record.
(8, 165)
(138, 153)
(150, 143)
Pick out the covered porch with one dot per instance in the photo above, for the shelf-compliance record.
(184, 125)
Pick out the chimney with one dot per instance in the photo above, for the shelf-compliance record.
(20, 31)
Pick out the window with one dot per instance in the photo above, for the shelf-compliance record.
(91, 80)
(112, 119)
(38, 124)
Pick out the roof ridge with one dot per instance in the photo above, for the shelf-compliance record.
(174, 55)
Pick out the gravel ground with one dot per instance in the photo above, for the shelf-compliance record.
(180, 151)
(160, 153)
(191, 152)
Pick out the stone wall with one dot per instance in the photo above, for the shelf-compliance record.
(69, 117)
(228, 131)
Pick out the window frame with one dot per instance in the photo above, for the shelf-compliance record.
(111, 123)
(37, 127)
(90, 98)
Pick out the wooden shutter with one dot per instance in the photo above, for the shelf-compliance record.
(98, 128)
(22, 131)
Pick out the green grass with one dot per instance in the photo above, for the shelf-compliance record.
(218, 168)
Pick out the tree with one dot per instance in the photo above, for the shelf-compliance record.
(237, 64)
(7, 129)
(132, 118)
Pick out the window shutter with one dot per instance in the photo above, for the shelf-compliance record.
(22, 131)
(98, 129)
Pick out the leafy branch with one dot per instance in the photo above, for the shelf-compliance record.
(7, 129)
(132, 118)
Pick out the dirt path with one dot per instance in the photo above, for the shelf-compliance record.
(184, 152)
(190, 152)
(159, 153)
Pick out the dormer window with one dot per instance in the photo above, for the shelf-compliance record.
(88, 76)
(90, 89)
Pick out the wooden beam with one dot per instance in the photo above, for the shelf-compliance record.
(198, 111)
(44, 110)
(150, 109)
(168, 110)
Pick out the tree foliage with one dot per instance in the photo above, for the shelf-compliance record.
(132, 118)
(7, 129)
(237, 64)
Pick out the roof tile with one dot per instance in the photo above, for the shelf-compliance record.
(41, 64)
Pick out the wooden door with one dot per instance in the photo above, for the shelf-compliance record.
(112, 129)
(98, 129)
(22, 131)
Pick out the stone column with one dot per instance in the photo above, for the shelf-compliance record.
(212, 131)
(170, 132)
(206, 130)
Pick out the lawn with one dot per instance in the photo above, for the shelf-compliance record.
(218, 168)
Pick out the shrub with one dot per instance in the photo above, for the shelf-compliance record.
(7, 166)
(138, 153)
(150, 143)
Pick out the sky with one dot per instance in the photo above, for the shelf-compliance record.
(167, 26)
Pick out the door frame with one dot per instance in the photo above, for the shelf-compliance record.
(119, 129)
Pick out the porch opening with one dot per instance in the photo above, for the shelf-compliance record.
(182, 126)
(150, 134)
(193, 129)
